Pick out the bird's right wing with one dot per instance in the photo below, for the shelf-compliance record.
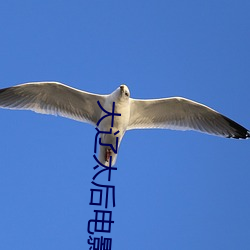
(182, 114)
(53, 98)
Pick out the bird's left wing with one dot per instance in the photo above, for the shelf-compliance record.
(53, 98)
(182, 114)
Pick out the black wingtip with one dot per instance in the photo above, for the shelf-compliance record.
(248, 134)
(3, 90)
(239, 131)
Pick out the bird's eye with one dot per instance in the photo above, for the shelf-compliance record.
(126, 93)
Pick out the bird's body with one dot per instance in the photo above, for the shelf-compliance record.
(167, 113)
(120, 123)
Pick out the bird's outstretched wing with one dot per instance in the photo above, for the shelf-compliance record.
(182, 114)
(53, 98)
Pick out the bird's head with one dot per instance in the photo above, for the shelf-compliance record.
(124, 91)
(121, 94)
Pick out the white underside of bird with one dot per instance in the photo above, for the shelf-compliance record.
(167, 113)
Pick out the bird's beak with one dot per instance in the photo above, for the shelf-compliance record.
(122, 88)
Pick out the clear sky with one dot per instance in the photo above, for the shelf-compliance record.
(174, 190)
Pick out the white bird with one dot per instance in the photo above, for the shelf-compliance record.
(167, 113)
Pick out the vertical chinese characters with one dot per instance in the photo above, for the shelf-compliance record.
(100, 193)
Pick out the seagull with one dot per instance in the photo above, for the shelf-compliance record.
(175, 113)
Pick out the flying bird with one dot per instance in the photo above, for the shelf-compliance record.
(167, 113)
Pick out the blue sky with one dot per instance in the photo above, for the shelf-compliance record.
(174, 190)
